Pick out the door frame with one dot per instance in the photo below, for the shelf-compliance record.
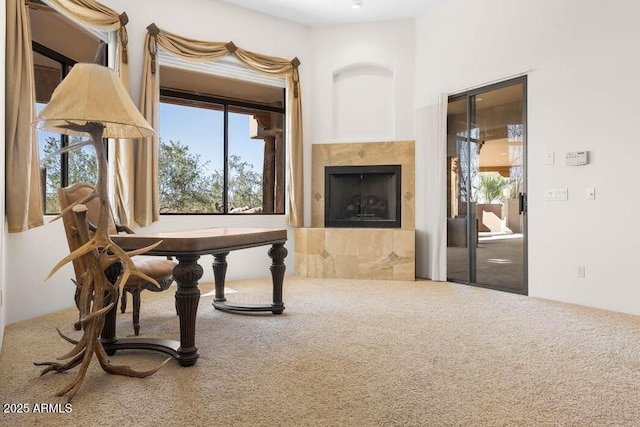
(468, 94)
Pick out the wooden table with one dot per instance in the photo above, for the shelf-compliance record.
(187, 247)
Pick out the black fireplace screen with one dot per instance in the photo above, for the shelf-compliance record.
(362, 196)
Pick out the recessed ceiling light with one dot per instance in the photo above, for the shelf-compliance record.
(357, 4)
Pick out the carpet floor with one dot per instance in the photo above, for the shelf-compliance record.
(347, 353)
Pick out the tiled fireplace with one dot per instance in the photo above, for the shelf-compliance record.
(349, 247)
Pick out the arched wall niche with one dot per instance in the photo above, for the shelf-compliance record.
(360, 113)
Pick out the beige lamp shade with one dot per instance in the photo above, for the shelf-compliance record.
(92, 93)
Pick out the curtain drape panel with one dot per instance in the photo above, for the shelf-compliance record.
(431, 213)
(95, 15)
(146, 176)
(437, 185)
(22, 170)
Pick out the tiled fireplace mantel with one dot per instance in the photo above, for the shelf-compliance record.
(359, 253)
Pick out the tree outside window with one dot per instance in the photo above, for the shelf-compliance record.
(219, 156)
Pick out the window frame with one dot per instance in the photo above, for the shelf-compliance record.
(198, 99)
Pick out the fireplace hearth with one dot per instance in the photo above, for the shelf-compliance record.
(363, 196)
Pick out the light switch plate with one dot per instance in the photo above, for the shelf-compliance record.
(549, 158)
(558, 194)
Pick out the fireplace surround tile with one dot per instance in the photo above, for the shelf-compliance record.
(363, 253)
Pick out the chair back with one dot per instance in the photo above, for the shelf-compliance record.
(66, 197)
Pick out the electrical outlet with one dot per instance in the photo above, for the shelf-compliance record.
(581, 272)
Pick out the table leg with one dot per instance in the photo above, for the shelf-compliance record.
(277, 253)
(219, 273)
(186, 274)
(112, 343)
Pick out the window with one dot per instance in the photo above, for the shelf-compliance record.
(221, 145)
(67, 168)
(55, 39)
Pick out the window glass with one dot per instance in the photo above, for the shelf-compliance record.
(49, 142)
(220, 155)
(191, 158)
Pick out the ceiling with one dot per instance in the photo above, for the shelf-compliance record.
(319, 13)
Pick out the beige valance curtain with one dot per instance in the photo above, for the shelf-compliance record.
(22, 171)
(146, 179)
(95, 15)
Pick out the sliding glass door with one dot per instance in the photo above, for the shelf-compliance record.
(486, 197)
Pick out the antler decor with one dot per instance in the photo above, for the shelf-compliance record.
(103, 258)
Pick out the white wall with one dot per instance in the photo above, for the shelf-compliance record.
(31, 255)
(387, 45)
(361, 113)
(583, 92)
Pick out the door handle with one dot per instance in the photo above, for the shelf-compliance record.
(522, 203)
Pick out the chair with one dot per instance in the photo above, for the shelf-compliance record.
(159, 269)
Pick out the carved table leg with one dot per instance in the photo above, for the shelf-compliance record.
(219, 273)
(186, 274)
(277, 253)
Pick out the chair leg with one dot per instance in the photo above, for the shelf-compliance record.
(136, 311)
(123, 301)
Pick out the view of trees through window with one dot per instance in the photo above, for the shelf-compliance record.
(185, 185)
(219, 156)
(79, 166)
(192, 162)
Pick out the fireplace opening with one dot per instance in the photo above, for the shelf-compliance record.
(362, 196)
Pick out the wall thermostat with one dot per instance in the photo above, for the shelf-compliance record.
(576, 158)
